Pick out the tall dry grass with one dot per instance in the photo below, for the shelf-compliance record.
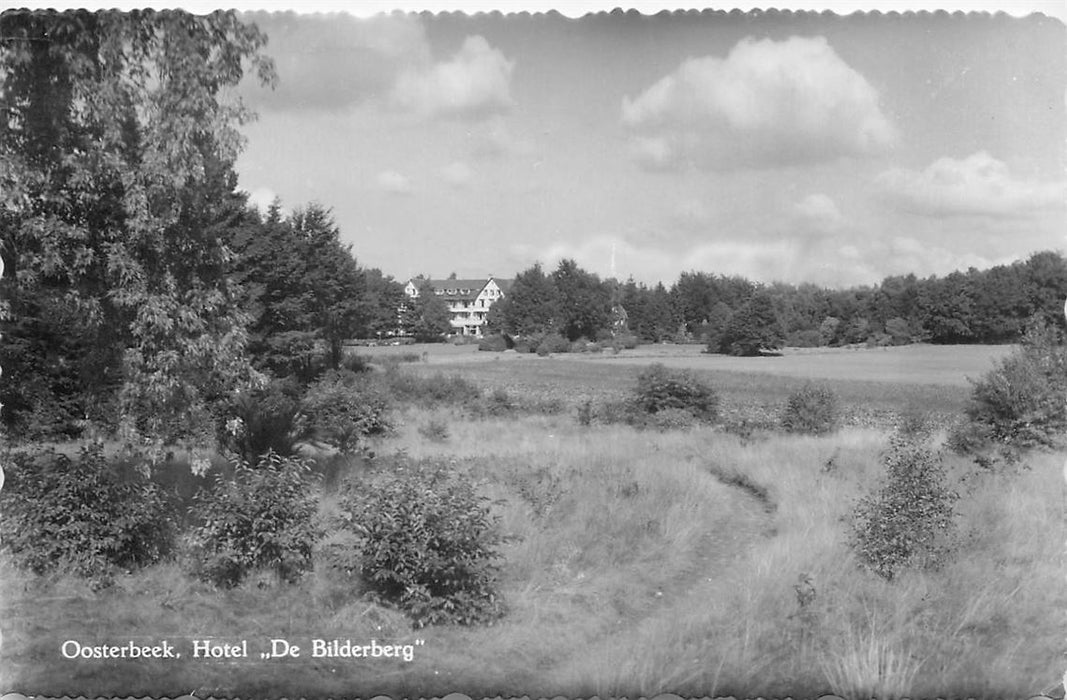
(636, 563)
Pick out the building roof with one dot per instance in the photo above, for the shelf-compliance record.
(453, 289)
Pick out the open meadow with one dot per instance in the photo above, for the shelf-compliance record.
(692, 559)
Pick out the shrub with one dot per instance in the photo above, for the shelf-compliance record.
(499, 402)
(261, 517)
(910, 520)
(812, 410)
(551, 343)
(81, 514)
(263, 420)
(628, 342)
(434, 430)
(435, 390)
(493, 343)
(427, 544)
(659, 388)
(1021, 401)
(356, 363)
(809, 338)
(340, 410)
(585, 413)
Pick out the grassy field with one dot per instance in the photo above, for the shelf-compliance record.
(636, 563)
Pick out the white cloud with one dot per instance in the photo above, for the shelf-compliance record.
(476, 82)
(333, 61)
(393, 182)
(457, 174)
(979, 185)
(820, 212)
(767, 103)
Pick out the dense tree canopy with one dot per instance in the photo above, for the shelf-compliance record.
(117, 144)
(301, 287)
(427, 317)
(753, 328)
(531, 306)
(583, 301)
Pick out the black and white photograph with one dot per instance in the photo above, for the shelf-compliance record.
(544, 350)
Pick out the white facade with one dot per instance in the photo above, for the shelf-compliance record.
(468, 300)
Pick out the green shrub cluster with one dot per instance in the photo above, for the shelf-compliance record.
(427, 543)
(660, 388)
(553, 343)
(356, 363)
(910, 520)
(260, 518)
(493, 343)
(434, 430)
(811, 410)
(341, 409)
(81, 514)
(1021, 402)
(263, 420)
(547, 343)
(436, 390)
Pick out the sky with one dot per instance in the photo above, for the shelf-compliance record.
(795, 147)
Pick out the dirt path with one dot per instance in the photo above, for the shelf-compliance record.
(752, 521)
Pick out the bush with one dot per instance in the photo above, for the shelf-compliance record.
(262, 517)
(340, 410)
(810, 338)
(910, 520)
(435, 390)
(493, 343)
(659, 388)
(1021, 401)
(499, 402)
(553, 343)
(356, 363)
(263, 420)
(81, 514)
(434, 430)
(811, 410)
(628, 342)
(427, 544)
(585, 413)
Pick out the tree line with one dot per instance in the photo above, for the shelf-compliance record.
(733, 315)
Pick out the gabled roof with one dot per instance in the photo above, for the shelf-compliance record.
(444, 285)
(453, 289)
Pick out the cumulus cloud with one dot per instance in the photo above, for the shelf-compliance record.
(767, 103)
(457, 174)
(979, 185)
(475, 83)
(333, 61)
(393, 182)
